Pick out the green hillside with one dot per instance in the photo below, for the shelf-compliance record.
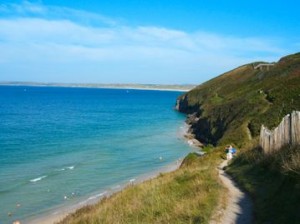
(232, 107)
(224, 110)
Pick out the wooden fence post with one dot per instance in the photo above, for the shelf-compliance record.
(287, 133)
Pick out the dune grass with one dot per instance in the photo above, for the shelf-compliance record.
(187, 195)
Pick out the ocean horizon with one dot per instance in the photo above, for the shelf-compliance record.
(60, 146)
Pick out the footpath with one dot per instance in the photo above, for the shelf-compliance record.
(238, 208)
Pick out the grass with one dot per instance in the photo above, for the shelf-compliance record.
(244, 97)
(230, 110)
(187, 195)
(272, 180)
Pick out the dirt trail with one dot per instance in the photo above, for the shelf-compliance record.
(239, 206)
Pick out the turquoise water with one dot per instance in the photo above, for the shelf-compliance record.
(61, 145)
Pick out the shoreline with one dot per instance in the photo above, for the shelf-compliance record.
(173, 88)
(190, 137)
(58, 214)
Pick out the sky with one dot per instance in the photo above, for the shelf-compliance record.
(141, 41)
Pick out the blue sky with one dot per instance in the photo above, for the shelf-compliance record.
(135, 41)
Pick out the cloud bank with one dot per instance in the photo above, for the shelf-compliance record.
(57, 44)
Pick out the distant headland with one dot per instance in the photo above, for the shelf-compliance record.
(183, 88)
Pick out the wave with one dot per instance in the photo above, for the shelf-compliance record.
(97, 196)
(38, 179)
(67, 168)
(93, 198)
(51, 174)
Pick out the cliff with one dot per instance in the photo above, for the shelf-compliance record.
(232, 107)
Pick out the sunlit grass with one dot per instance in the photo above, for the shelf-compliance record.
(187, 195)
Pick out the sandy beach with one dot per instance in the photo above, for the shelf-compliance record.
(56, 215)
(176, 88)
(69, 200)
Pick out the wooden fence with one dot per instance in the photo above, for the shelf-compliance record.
(287, 133)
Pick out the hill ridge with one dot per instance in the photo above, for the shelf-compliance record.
(238, 101)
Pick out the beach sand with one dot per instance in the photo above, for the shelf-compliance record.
(57, 215)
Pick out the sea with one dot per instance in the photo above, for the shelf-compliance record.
(60, 146)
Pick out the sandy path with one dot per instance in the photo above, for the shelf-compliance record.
(239, 206)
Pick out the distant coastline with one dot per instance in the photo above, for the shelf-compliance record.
(77, 128)
(181, 88)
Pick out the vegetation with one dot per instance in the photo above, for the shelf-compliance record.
(232, 107)
(187, 195)
(229, 109)
(273, 182)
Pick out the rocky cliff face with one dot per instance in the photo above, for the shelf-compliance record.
(202, 128)
(230, 109)
(182, 105)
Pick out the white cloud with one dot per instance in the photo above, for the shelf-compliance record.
(74, 41)
(28, 9)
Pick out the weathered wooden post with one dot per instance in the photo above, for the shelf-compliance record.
(287, 133)
(295, 128)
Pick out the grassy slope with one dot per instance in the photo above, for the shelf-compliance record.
(273, 181)
(188, 195)
(233, 104)
(237, 103)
